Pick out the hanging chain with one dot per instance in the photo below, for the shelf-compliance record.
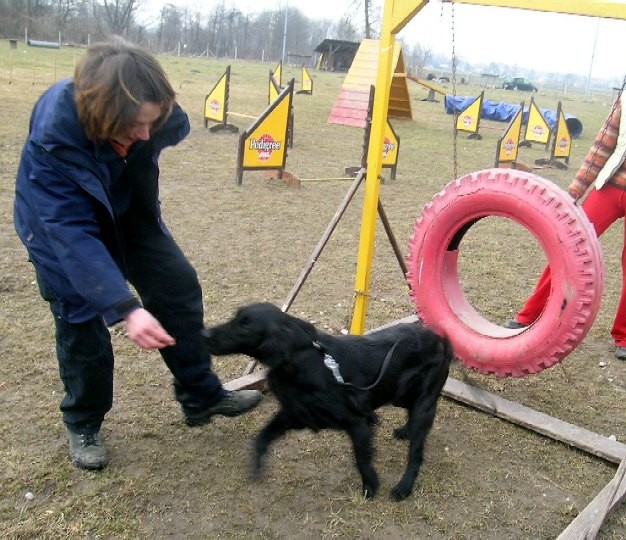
(454, 111)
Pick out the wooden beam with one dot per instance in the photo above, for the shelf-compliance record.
(256, 380)
(611, 9)
(587, 524)
(549, 426)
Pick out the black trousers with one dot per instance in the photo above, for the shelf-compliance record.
(169, 289)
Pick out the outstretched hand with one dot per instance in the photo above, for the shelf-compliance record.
(144, 330)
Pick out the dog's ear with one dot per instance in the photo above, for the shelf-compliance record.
(305, 332)
(286, 336)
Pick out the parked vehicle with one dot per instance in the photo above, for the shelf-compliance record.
(519, 83)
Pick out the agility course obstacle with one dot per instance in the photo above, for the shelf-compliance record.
(468, 120)
(351, 105)
(432, 88)
(396, 15)
(263, 146)
(501, 111)
(391, 144)
(306, 82)
(508, 144)
(277, 74)
(537, 128)
(216, 105)
(561, 144)
(273, 88)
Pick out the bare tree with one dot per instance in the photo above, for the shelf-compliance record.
(371, 17)
(170, 28)
(417, 56)
(117, 14)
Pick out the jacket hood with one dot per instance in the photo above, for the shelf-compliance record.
(54, 124)
(54, 121)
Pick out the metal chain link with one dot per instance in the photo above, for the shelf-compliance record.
(454, 111)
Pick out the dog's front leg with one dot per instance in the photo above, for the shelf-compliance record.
(280, 423)
(361, 435)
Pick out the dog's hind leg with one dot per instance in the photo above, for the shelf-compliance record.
(421, 418)
(280, 423)
(402, 432)
(361, 436)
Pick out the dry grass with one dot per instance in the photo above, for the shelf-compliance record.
(483, 478)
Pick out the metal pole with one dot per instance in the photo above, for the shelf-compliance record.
(285, 31)
(593, 53)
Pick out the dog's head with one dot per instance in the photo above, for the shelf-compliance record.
(261, 331)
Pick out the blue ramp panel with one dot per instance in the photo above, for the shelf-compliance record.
(505, 112)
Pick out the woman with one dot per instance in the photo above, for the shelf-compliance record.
(87, 210)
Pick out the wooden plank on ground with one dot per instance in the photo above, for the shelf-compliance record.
(587, 524)
(256, 380)
(554, 428)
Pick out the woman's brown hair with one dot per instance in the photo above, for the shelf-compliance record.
(112, 82)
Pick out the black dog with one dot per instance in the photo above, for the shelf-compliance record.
(323, 381)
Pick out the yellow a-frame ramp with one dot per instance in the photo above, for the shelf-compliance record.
(351, 105)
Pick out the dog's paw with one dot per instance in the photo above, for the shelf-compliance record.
(370, 489)
(401, 433)
(369, 492)
(400, 492)
(373, 419)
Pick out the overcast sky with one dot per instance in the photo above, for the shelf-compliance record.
(547, 42)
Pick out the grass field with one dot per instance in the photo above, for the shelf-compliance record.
(482, 478)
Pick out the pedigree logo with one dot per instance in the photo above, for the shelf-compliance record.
(388, 146)
(216, 106)
(467, 120)
(509, 146)
(264, 145)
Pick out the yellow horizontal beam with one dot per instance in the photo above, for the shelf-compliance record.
(611, 9)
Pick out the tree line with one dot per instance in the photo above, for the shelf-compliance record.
(219, 31)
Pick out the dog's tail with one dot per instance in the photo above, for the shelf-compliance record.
(447, 351)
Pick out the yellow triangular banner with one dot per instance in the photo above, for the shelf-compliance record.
(215, 101)
(274, 89)
(390, 146)
(307, 81)
(562, 138)
(469, 119)
(278, 74)
(537, 129)
(508, 144)
(264, 144)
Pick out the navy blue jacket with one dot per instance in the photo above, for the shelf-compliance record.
(76, 203)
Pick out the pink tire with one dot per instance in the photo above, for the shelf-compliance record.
(572, 250)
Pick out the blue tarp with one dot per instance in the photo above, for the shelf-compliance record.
(505, 112)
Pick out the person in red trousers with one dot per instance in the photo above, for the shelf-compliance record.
(605, 167)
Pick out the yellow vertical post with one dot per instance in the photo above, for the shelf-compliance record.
(396, 15)
(374, 167)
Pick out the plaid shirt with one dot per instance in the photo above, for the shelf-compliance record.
(601, 150)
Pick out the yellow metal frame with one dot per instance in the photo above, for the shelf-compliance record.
(396, 15)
